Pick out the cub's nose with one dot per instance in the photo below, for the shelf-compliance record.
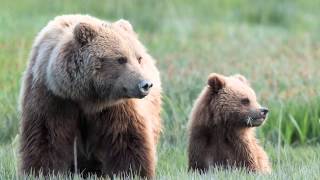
(264, 111)
(144, 87)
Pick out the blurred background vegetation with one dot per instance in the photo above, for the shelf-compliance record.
(275, 44)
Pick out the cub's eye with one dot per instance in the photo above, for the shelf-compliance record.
(245, 101)
(139, 59)
(122, 60)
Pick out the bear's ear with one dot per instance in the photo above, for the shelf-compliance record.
(241, 78)
(84, 33)
(125, 25)
(216, 82)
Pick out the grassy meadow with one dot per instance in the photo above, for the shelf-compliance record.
(275, 44)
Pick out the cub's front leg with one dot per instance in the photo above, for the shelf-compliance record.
(197, 152)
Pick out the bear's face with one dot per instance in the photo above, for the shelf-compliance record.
(115, 60)
(234, 102)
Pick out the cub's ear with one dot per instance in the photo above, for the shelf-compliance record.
(241, 78)
(216, 82)
(84, 33)
(125, 25)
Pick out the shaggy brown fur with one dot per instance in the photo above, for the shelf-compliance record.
(221, 126)
(82, 89)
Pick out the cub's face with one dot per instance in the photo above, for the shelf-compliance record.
(115, 59)
(235, 102)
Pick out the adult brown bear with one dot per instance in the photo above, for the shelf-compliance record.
(92, 84)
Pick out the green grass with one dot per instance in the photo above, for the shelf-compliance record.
(288, 163)
(275, 44)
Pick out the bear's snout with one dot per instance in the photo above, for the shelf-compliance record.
(264, 111)
(144, 87)
(256, 117)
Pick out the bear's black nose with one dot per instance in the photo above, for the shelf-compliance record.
(144, 87)
(264, 111)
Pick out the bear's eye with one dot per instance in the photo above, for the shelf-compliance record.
(122, 60)
(139, 59)
(245, 101)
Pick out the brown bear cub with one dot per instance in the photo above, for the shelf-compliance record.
(222, 126)
(90, 100)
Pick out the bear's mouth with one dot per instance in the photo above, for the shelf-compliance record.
(137, 96)
(254, 122)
